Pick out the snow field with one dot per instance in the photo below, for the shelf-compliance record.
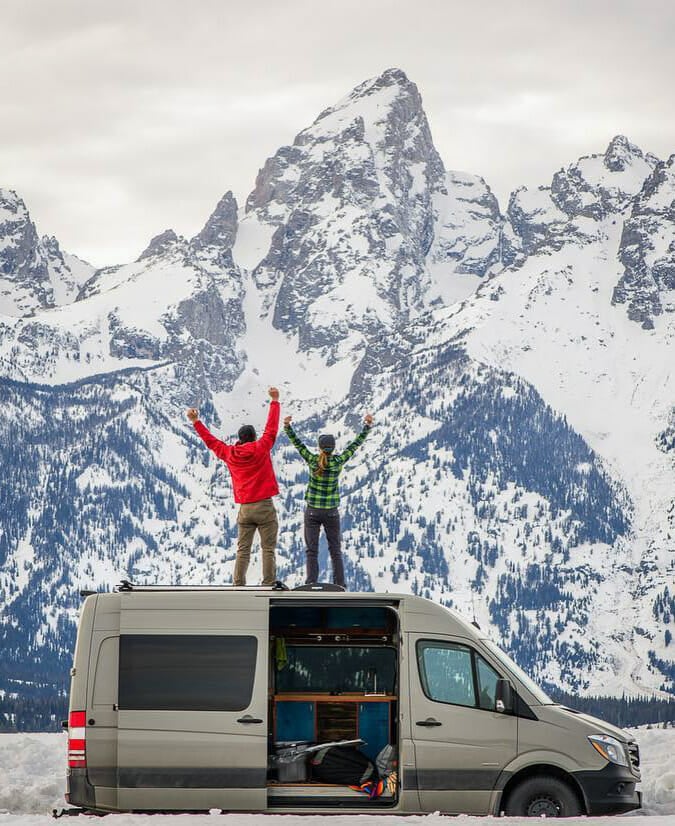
(32, 783)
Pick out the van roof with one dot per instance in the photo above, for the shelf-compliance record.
(412, 604)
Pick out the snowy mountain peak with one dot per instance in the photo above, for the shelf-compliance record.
(160, 244)
(369, 100)
(345, 217)
(622, 153)
(221, 228)
(35, 273)
(13, 210)
(578, 200)
(597, 185)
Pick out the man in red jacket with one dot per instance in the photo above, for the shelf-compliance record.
(254, 484)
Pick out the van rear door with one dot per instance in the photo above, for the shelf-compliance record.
(461, 742)
(193, 701)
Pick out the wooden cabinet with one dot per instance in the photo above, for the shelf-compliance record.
(325, 717)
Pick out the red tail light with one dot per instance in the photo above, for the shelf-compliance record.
(77, 757)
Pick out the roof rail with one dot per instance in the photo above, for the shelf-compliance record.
(125, 586)
(320, 586)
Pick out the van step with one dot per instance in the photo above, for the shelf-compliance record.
(72, 812)
(321, 790)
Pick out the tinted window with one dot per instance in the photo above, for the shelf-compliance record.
(345, 669)
(487, 683)
(186, 672)
(446, 672)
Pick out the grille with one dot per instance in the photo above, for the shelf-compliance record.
(634, 755)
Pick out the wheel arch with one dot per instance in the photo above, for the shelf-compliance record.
(541, 770)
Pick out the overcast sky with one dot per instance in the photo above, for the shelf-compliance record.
(121, 119)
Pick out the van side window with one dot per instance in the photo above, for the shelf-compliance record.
(446, 672)
(185, 672)
(487, 683)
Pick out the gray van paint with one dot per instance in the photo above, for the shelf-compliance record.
(173, 760)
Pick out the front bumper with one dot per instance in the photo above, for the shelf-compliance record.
(610, 790)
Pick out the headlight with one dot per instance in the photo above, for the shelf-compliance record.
(610, 748)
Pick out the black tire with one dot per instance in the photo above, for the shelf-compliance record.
(543, 796)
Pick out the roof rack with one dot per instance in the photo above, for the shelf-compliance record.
(125, 585)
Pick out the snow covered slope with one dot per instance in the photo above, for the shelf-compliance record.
(519, 365)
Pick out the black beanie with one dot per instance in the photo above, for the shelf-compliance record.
(247, 434)
(327, 442)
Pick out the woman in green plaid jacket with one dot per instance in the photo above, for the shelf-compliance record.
(323, 497)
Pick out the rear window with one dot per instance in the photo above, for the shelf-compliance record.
(336, 669)
(186, 672)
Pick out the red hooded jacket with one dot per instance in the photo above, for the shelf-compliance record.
(250, 464)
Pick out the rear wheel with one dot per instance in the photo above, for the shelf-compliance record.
(543, 797)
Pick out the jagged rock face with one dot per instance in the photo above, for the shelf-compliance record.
(24, 273)
(647, 250)
(160, 244)
(23, 269)
(597, 185)
(34, 272)
(220, 231)
(579, 199)
(468, 225)
(351, 207)
(535, 224)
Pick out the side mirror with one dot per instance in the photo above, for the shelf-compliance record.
(504, 697)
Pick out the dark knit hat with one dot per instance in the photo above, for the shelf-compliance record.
(247, 434)
(327, 442)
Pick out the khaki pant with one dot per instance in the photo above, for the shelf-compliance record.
(262, 517)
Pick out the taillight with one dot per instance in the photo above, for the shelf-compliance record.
(77, 758)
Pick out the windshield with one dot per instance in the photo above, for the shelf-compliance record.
(540, 695)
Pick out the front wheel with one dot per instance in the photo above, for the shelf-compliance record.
(543, 797)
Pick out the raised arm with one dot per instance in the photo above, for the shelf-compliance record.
(353, 446)
(269, 436)
(296, 441)
(219, 448)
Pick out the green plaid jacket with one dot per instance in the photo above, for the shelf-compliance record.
(322, 490)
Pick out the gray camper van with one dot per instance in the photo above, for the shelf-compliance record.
(189, 698)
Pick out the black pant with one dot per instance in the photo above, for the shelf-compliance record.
(330, 519)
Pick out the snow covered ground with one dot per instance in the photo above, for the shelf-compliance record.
(32, 784)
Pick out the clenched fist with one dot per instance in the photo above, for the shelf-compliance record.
(193, 414)
(287, 420)
(368, 419)
(274, 394)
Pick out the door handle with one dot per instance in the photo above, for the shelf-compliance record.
(429, 722)
(248, 719)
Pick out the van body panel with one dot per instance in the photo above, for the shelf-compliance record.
(106, 798)
(80, 671)
(102, 693)
(563, 741)
(460, 751)
(541, 757)
(192, 758)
